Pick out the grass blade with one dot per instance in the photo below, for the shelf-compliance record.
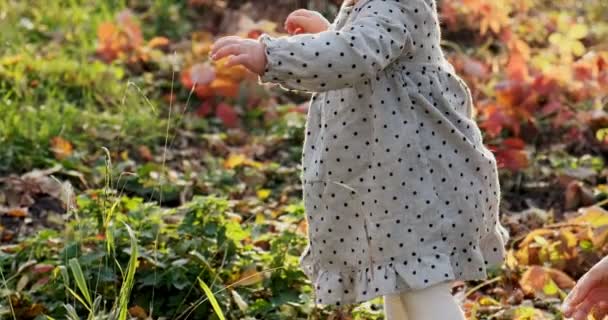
(80, 282)
(71, 312)
(211, 297)
(128, 282)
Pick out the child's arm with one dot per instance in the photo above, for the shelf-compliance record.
(336, 59)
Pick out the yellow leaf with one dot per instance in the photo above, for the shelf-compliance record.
(488, 301)
(570, 238)
(595, 216)
(578, 48)
(263, 194)
(234, 160)
(578, 31)
(259, 218)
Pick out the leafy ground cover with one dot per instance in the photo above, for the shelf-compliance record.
(139, 179)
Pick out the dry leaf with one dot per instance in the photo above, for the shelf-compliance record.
(249, 276)
(138, 312)
(17, 212)
(61, 148)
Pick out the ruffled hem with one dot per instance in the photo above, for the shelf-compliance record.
(270, 74)
(378, 278)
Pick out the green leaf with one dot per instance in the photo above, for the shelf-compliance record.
(235, 232)
(550, 288)
(211, 297)
(586, 245)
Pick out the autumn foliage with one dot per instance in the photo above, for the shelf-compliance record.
(132, 122)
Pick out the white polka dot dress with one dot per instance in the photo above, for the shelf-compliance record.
(400, 192)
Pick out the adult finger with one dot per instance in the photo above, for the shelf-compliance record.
(582, 310)
(580, 291)
(231, 49)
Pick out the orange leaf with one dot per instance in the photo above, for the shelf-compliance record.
(536, 278)
(61, 148)
(158, 42)
(249, 277)
(225, 88)
(17, 213)
(517, 68)
(138, 312)
(145, 153)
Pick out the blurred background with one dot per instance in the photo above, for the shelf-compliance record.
(139, 179)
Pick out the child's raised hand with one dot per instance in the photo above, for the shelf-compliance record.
(247, 52)
(305, 21)
(590, 291)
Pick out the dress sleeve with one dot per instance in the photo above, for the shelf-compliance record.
(331, 60)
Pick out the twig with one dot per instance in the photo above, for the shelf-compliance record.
(485, 283)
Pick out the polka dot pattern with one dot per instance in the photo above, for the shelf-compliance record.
(400, 191)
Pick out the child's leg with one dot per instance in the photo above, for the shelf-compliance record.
(394, 307)
(434, 303)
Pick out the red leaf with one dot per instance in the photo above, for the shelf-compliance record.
(205, 109)
(228, 115)
(514, 143)
(511, 159)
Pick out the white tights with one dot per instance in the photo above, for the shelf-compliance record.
(433, 303)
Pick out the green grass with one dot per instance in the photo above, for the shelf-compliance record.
(52, 85)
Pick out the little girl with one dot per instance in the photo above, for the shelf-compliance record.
(401, 195)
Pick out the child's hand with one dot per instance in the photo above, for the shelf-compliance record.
(247, 52)
(305, 21)
(590, 291)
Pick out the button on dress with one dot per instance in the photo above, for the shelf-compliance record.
(399, 191)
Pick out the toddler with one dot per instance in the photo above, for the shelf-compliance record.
(401, 195)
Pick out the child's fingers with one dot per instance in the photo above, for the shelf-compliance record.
(298, 22)
(290, 27)
(236, 60)
(230, 49)
(223, 42)
(301, 12)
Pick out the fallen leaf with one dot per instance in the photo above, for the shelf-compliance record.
(249, 277)
(17, 212)
(61, 148)
(158, 42)
(594, 216)
(145, 153)
(537, 281)
(138, 312)
(228, 115)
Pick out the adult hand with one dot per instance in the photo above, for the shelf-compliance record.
(590, 291)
